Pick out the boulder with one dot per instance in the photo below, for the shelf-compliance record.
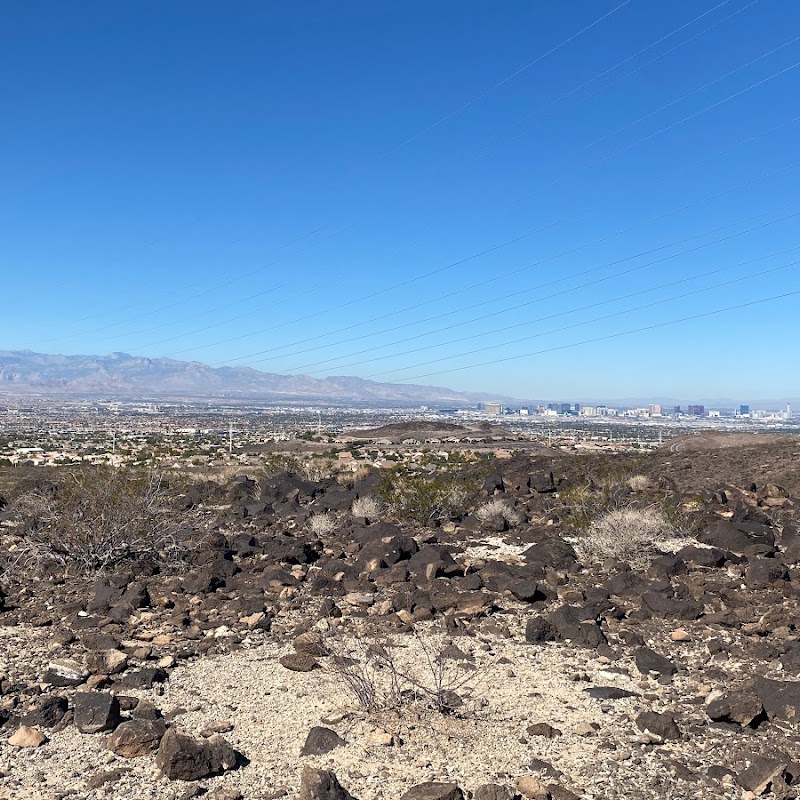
(741, 708)
(180, 757)
(137, 737)
(648, 660)
(320, 741)
(49, 711)
(26, 736)
(661, 725)
(321, 784)
(781, 699)
(433, 790)
(96, 712)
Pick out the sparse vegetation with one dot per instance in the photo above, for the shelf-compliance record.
(368, 506)
(322, 524)
(633, 535)
(638, 483)
(374, 674)
(497, 509)
(94, 518)
(428, 498)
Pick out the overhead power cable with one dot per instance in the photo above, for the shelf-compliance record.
(507, 310)
(569, 251)
(396, 148)
(605, 338)
(306, 236)
(607, 316)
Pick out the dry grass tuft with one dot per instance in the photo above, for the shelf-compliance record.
(368, 506)
(322, 524)
(497, 509)
(635, 536)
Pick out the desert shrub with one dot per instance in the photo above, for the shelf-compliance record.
(378, 675)
(94, 518)
(368, 506)
(427, 498)
(633, 535)
(322, 524)
(497, 509)
(638, 483)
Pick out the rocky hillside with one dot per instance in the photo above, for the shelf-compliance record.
(505, 652)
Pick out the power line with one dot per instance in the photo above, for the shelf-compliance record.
(570, 251)
(270, 290)
(607, 337)
(491, 315)
(419, 134)
(607, 316)
(605, 158)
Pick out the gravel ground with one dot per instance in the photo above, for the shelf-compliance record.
(272, 709)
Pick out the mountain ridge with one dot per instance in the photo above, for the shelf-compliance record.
(121, 374)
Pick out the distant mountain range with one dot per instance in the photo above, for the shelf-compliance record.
(119, 375)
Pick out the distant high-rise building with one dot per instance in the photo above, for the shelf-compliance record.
(553, 407)
(697, 411)
(654, 409)
(565, 408)
(577, 408)
(677, 410)
(744, 410)
(493, 409)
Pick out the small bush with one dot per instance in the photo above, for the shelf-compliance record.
(322, 524)
(427, 498)
(369, 507)
(638, 483)
(93, 519)
(379, 676)
(496, 510)
(635, 536)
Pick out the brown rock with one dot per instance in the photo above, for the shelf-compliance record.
(299, 662)
(321, 784)
(532, 788)
(25, 736)
(138, 737)
(433, 790)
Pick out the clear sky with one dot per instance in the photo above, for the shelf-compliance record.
(516, 196)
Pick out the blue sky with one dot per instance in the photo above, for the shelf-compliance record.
(468, 193)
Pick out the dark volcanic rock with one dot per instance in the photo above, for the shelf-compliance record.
(765, 571)
(553, 552)
(180, 757)
(321, 784)
(49, 711)
(781, 699)
(661, 725)
(493, 791)
(433, 790)
(742, 708)
(538, 629)
(648, 660)
(320, 741)
(137, 737)
(96, 712)
(570, 624)
(609, 693)
(660, 605)
(762, 774)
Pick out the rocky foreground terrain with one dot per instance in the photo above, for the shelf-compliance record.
(486, 656)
